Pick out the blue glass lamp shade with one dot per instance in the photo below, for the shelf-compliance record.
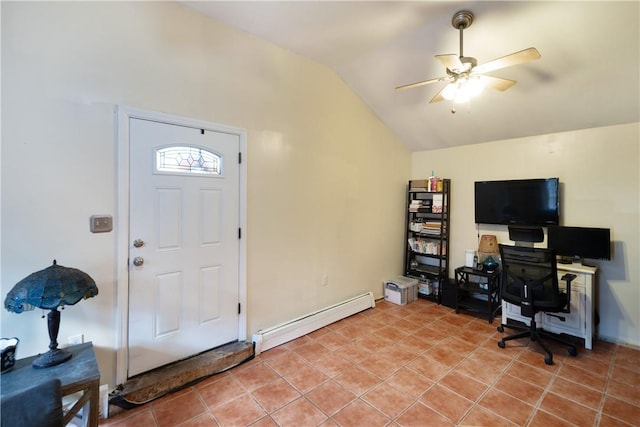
(53, 287)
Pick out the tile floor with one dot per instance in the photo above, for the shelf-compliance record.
(414, 365)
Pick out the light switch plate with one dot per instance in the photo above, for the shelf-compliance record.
(101, 223)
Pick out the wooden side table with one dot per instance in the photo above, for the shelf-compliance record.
(80, 373)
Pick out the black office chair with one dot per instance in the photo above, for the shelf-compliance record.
(530, 280)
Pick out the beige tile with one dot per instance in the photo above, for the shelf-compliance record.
(354, 352)
(330, 397)
(311, 351)
(621, 410)
(576, 392)
(429, 368)
(220, 392)
(446, 354)
(628, 358)
(358, 414)
(590, 364)
(265, 422)
(332, 340)
(479, 370)
(579, 375)
(608, 421)
(357, 380)
(568, 410)
(506, 406)
(388, 400)
(516, 387)
(299, 413)
(418, 414)
(256, 376)
(409, 382)
(275, 395)
(140, 419)
(626, 392)
(446, 402)
(306, 378)
(240, 412)
(463, 385)
(332, 364)
(625, 375)
(545, 419)
(286, 362)
(175, 411)
(379, 366)
(399, 353)
(481, 417)
(203, 420)
(535, 376)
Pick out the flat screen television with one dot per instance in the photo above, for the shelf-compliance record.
(575, 243)
(518, 202)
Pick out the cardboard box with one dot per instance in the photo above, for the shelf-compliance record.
(419, 183)
(401, 290)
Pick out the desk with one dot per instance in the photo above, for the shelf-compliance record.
(80, 373)
(485, 283)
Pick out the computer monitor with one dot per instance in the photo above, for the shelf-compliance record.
(575, 243)
(526, 236)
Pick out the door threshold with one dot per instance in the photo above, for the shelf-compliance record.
(176, 376)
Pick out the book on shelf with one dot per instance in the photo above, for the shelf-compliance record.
(436, 207)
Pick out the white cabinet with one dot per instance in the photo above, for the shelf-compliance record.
(578, 323)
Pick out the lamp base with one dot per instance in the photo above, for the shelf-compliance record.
(51, 358)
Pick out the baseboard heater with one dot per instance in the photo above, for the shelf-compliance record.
(268, 338)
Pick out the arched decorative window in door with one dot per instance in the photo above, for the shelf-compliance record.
(189, 160)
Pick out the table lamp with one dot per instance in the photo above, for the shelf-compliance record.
(48, 289)
(489, 251)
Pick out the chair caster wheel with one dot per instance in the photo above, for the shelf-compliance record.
(500, 328)
(548, 360)
(573, 351)
(501, 344)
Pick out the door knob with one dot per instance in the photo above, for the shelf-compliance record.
(138, 261)
(138, 243)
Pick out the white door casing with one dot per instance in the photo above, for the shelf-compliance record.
(185, 296)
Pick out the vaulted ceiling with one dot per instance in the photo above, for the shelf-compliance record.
(588, 75)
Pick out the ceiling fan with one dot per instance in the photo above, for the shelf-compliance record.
(466, 77)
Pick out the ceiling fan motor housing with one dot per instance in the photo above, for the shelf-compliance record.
(462, 19)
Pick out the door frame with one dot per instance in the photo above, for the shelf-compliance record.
(122, 116)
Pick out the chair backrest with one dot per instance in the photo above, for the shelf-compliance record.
(530, 279)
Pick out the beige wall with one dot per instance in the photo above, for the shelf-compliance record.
(325, 184)
(599, 187)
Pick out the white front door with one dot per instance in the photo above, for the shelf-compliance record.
(184, 242)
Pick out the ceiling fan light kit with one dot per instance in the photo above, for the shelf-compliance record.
(466, 78)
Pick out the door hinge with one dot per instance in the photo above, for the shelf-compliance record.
(201, 131)
(239, 308)
(239, 233)
(240, 158)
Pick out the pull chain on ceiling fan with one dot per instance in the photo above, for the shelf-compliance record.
(466, 77)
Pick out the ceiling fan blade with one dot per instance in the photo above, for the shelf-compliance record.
(451, 61)
(497, 83)
(516, 58)
(438, 96)
(422, 83)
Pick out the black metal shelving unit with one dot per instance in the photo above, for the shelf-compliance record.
(427, 237)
